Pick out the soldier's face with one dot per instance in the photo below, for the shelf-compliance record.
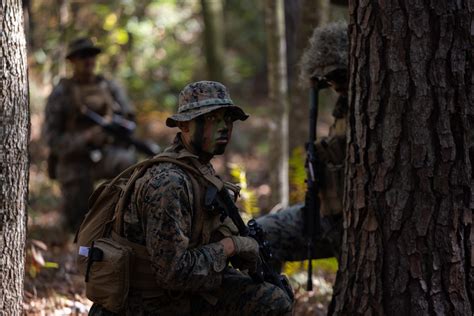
(84, 65)
(210, 133)
(337, 79)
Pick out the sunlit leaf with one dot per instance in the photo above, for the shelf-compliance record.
(51, 265)
(39, 244)
(110, 22)
(248, 197)
(121, 36)
(37, 256)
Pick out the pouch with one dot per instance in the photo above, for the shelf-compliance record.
(108, 280)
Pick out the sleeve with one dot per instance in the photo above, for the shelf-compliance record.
(118, 93)
(55, 133)
(166, 201)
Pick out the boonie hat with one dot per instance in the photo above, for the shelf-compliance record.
(83, 46)
(202, 97)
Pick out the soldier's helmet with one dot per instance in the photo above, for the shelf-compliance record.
(82, 47)
(327, 51)
(202, 97)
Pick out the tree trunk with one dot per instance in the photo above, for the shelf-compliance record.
(407, 247)
(63, 18)
(278, 89)
(214, 38)
(14, 133)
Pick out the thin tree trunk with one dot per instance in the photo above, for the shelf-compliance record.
(14, 133)
(212, 12)
(278, 89)
(302, 16)
(407, 247)
(62, 47)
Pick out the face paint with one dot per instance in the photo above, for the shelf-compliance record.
(211, 132)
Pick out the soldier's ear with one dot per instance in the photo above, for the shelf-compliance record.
(183, 126)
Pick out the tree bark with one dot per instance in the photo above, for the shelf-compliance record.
(407, 245)
(14, 134)
(278, 90)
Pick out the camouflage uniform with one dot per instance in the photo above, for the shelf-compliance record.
(327, 52)
(189, 264)
(63, 131)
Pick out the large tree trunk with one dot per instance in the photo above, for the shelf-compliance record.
(278, 89)
(14, 133)
(407, 246)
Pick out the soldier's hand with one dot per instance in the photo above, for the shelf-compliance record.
(95, 136)
(247, 251)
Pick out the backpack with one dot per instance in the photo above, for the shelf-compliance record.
(107, 259)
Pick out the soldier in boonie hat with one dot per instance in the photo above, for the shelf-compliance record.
(82, 47)
(202, 97)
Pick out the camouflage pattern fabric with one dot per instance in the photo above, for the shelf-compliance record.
(63, 132)
(238, 295)
(284, 232)
(195, 280)
(202, 97)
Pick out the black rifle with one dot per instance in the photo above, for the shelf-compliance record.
(223, 202)
(312, 203)
(122, 129)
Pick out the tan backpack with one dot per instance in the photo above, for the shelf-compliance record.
(107, 259)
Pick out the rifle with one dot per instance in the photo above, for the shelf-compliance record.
(312, 203)
(122, 129)
(223, 202)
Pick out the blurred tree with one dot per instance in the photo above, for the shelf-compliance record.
(407, 245)
(301, 17)
(278, 90)
(214, 38)
(14, 134)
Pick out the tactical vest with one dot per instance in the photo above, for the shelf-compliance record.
(97, 97)
(125, 266)
(333, 153)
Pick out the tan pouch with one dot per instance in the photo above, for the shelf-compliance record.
(108, 280)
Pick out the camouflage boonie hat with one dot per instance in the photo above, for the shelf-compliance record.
(83, 46)
(327, 51)
(202, 97)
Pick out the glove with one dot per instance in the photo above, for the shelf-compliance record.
(227, 228)
(247, 252)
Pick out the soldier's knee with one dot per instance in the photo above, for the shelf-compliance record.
(277, 302)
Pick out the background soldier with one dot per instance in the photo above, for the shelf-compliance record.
(189, 246)
(80, 151)
(326, 58)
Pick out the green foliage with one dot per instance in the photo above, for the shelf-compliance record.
(297, 175)
(248, 197)
(328, 265)
(153, 47)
